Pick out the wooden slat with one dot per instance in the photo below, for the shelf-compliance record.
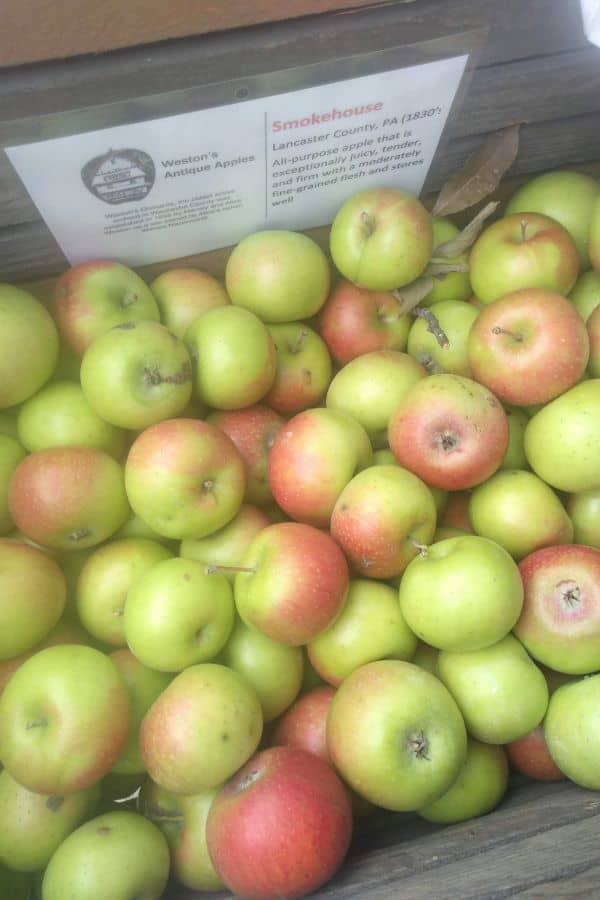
(542, 838)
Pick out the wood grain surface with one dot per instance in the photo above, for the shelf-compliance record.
(541, 842)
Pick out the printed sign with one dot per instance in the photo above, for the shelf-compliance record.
(191, 182)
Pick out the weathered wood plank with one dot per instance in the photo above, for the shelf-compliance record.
(540, 838)
(518, 29)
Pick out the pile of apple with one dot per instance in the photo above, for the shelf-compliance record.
(278, 552)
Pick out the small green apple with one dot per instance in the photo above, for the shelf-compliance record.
(455, 318)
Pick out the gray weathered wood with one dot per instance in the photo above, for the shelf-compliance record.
(540, 843)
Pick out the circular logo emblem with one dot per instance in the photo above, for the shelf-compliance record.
(119, 176)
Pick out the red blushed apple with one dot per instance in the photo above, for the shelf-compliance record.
(68, 498)
(560, 620)
(314, 456)
(94, 296)
(303, 725)
(593, 330)
(530, 756)
(356, 321)
(253, 431)
(281, 827)
(294, 582)
(528, 347)
(450, 431)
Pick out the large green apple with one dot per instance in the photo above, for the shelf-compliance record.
(94, 296)
(177, 615)
(370, 387)
(500, 509)
(182, 295)
(382, 519)
(525, 250)
(500, 691)
(60, 416)
(137, 374)
(281, 276)
(119, 855)
(462, 593)
(32, 826)
(455, 318)
(273, 669)
(233, 357)
(562, 439)
(572, 731)
(478, 789)
(104, 581)
(11, 454)
(396, 735)
(64, 719)
(565, 196)
(369, 627)
(201, 729)
(28, 345)
(381, 238)
(185, 478)
(32, 596)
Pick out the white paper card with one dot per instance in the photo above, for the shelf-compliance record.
(196, 181)
(590, 11)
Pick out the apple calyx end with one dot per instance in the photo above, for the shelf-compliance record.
(419, 745)
(569, 594)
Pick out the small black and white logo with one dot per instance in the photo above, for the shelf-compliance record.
(119, 176)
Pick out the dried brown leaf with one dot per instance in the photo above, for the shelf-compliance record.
(481, 174)
(411, 294)
(465, 238)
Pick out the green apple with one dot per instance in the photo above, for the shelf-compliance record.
(137, 374)
(303, 370)
(381, 238)
(370, 387)
(478, 789)
(120, 855)
(515, 458)
(382, 519)
(584, 511)
(8, 422)
(104, 581)
(395, 735)
(311, 461)
(500, 691)
(68, 498)
(585, 295)
(524, 250)
(144, 686)
(182, 295)
(182, 820)
(64, 719)
(594, 238)
(565, 196)
(369, 627)
(60, 416)
(562, 439)
(135, 527)
(461, 594)
(455, 318)
(454, 285)
(32, 826)
(500, 509)
(32, 596)
(92, 297)
(202, 729)
(572, 732)
(227, 546)
(185, 478)
(28, 345)
(11, 454)
(281, 276)
(177, 615)
(233, 357)
(273, 669)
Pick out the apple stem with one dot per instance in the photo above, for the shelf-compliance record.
(224, 570)
(296, 346)
(524, 224)
(419, 745)
(420, 548)
(514, 335)
(433, 326)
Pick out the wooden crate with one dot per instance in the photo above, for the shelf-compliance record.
(536, 67)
